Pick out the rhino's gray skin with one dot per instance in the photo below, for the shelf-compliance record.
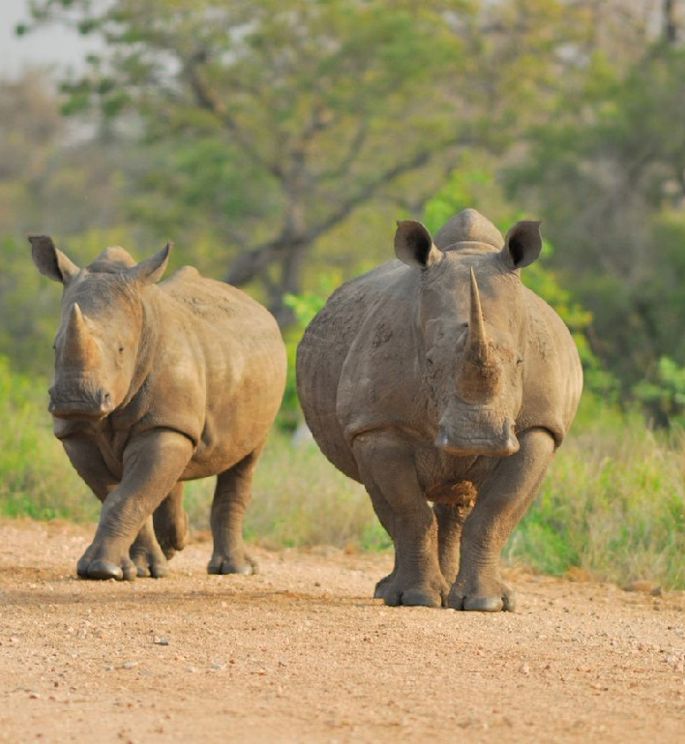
(156, 384)
(440, 378)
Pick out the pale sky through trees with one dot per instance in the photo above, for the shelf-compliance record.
(47, 46)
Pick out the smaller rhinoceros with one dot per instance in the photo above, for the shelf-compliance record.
(440, 379)
(156, 384)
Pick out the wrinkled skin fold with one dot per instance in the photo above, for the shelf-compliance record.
(156, 384)
(444, 386)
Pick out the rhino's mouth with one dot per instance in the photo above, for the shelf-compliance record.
(95, 406)
(478, 435)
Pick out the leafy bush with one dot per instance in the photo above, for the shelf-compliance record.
(613, 503)
(662, 394)
(36, 479)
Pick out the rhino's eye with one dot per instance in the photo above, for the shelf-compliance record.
(121, 349)
(519, 360)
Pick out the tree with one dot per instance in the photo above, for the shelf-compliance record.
(277, 119)
(611, 181)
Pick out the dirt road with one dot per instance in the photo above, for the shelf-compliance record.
(300, 653)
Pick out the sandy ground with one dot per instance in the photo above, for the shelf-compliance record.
(300, 653)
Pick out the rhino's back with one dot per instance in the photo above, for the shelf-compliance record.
(323, 350)
(214, 304)
(221, 375)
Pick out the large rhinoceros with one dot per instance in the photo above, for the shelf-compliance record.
(440, 378)
(156, 384)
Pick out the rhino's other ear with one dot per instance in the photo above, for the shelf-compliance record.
(523, 244)
(414, 245)
(50, 261)
(150, 270)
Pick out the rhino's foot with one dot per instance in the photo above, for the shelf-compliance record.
(148, 558)
(235, 564)
(395, 591)
(482, 596)
(171, 529)
(96, 563)
(380, 586)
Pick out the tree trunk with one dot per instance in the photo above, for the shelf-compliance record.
(669, 26)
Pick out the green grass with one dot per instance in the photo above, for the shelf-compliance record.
(299, 499)
(613, 502)
(36, 479)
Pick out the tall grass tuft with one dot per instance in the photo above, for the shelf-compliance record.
(299, 499)
(613, 504)
(36, 479)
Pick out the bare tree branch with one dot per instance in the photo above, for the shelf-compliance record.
(253, 262)
(209, 101)
(353, 150)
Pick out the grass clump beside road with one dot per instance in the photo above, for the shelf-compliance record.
(36, 479)
(613, 502)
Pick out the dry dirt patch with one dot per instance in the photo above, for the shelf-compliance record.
(300, 653)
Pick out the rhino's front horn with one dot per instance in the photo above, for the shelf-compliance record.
(79, 345)
(477, 342)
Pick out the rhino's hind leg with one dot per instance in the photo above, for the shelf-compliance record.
(386, 465)
(171, 522)
(146, 553)
(501, 503)
(231, 497)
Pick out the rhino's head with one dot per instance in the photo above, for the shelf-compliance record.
(101, 331)
(473, 321)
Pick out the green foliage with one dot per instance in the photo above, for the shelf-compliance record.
(608, 176)
(36, 479)
(662, 394)
(613, 504)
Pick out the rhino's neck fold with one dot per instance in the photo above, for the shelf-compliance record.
(149, 352)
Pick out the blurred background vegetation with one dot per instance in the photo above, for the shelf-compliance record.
(277, 141)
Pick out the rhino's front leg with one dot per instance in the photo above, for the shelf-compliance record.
(171, 522)
(386, 465)
(501, 503)
(153, 463)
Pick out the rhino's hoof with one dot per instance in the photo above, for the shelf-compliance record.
(224, 566)
(103, 570)
(156, 570)
(149, 563)
(381, 587)
(394, 594)
(172, 535)
(484, 604)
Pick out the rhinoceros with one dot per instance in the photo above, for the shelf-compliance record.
(156, 384)
(445, 386)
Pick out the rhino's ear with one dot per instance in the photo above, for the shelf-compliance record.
(150, 270)
(523, 244)
(414, 245)
(50, 261)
